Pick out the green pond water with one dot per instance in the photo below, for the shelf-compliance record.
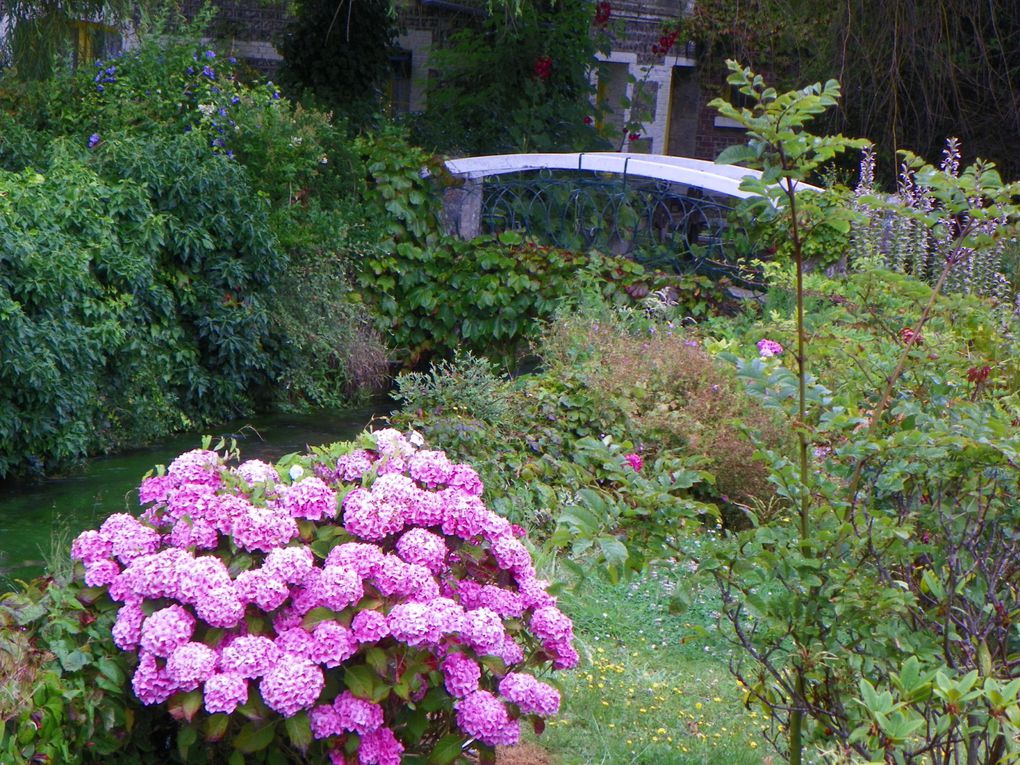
(39, 519)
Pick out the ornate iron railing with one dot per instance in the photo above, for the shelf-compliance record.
(659, 224)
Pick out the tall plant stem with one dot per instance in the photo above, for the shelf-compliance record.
(797, 713)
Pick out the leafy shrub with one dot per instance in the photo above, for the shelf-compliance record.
(265, 624)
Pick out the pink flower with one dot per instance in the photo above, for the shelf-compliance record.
(167, 629)
(198, 466)
(530, 695)
(769, 348)
(430, 468)
(309, 498)
(150, 683)
(191, 664)
(424, 548)
(370, 518)
(225, 692)
(483, 630)
(485, 717)
(220, 607)
(356, 714)
(263, 529)
(325, 721)
(363, 558)
(127, 629)
(256, 471)
(369, 626)
(635, 461)
(250, 656)
(460, 675)
(101, 573)
(91, 546)
(339, 587)
(334, 644)
(380, 747)
(352, 466)
(293, 684)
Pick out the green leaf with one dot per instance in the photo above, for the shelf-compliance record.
(361, 681)
(216, 727)
(186, 736)
(254, 736)
(447, 750)
(299, 730)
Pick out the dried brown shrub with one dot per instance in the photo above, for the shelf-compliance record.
(676, 396)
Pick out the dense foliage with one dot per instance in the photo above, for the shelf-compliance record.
(172, 235)
(515, 83)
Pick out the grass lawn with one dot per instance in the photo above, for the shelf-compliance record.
(653, 688)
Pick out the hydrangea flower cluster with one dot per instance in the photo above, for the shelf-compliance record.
(333, 589)
(769, 348)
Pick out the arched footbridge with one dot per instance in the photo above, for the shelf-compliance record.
(660, 210)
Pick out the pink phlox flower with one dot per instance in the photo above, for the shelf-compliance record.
(485, 717)
(635, 461)
(263, 528)
(358, 715)
(220, 606)
(463, 515)
(424, 548)
(363, 558)
(531, 696)
(769, 348)
(198, 534)
(460, 675)
(128, 537)
(367, 517)
(334, 644)
(369, 626)
(380, 747)
(431, 468)
(325, 721)
(250, 656)
(483, 630)
(510, 554)
(261, 588)
(167, 629)
(293, 684)
(199, 466)
(91, 546)
(191, 664)
(352, 466)
(224, 693)
(465, 478)
(150, 682)
(309, 498)
(256, 471)
(127, 628)
(296, 641)
(154, 489)
(410, 623)
(289, 564)
(101, 573)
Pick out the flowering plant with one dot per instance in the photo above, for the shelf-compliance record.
(363, 596)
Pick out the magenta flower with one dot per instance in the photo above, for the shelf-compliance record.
(769, 348)
(635, 461)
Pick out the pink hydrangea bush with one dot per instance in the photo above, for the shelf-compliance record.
(364, 593)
